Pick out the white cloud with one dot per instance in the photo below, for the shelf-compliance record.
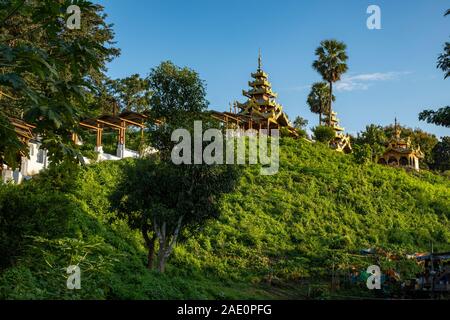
(355, 82)
(364, 81)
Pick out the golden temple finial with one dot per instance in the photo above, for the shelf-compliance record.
(397, 129)
(259, 60)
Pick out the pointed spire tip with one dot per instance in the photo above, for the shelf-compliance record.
(259, 60)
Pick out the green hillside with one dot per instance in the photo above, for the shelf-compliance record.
(276, 237)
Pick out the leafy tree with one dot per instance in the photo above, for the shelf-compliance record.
(10, 145)
(47, 71)
(163, 200)
(362, 153)
(132, 93)
(375, 137)
(441, 155)
(178, 97)
(166, 202)
(331, 63)
(324, 134)
(300, 123)
(318, 99)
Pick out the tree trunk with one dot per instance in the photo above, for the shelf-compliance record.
(162, 265)
(331, 98)
(320, 118)
(151, 252)
(150, 243)
(162, 256)
(166, 242)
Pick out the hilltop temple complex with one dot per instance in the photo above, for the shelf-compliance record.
(260, 111)
(400, 152)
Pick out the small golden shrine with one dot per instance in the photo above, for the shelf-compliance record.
(400, 152)
(341, 142)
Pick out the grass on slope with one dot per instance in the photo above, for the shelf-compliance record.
(320, 209)
(315, 214)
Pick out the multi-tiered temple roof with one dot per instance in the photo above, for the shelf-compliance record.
(261, 104)
(341, 141)
(261, 110)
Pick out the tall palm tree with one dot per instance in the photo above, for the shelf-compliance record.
(331, 63)
(319, 99)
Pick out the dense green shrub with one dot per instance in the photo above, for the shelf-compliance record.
(26, 212)
(324, 134)
(362, 153)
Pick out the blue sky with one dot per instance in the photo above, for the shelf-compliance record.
(392, 71)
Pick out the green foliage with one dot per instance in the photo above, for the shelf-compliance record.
(440, 117)
(331, 64)
(300, 123)
(324, 134)
(441, 155)
(319, 99)
(331, 60)
(179, 98)
(171, 200)
(319, 210)
(10, 145)
(443, 62)
(128, 94)
(133, 93)
(26, 212)
(362, 153)
(47, 71)
(377, 137)
(290, 225)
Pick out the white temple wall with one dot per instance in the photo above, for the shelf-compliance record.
(38, 160)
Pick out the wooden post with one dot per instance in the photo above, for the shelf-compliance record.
(99, 136)
(74, 138)
(122, 132)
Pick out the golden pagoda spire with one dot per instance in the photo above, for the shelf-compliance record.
(259, 60)
(397, 129)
